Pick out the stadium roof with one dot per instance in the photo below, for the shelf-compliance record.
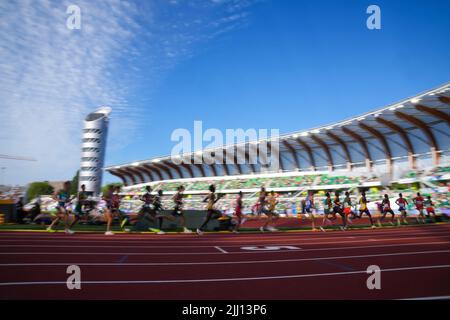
(405, 132)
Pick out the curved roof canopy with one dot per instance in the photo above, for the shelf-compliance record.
(406, 132)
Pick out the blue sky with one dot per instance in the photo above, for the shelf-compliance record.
(161, 65)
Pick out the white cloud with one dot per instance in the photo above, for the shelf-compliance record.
(51, 77)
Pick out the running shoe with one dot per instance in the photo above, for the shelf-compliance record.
(109, 233)
(322, 229)
(68, 231)
(160, 232)
(199, 232)
(272, 229)
(243, 221)
(50, 230)
(374, 226)
(186, 230)
(235, 231)
(154, 230)
(261, 229)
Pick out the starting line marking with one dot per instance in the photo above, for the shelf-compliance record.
(6, 284)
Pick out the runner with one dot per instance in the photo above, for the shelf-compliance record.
(261, 205)
(310, 208)
(238, 212)
(402, 203)
(178, 209)
(386, 208)
(430, 208)
(158, 208)
(337, 209)
(364, 209)
(212, 212)
(327, 210)
(348, 208)
(418, 201)
(269, 211)
(81, 201)
(63, 198)
(107, 209)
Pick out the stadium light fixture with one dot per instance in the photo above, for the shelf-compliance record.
(305, 134)
(361, 119)
(315, 131)
(415, 100)
(135, 164)
(118, 167)
(295, 136)
(155, 160)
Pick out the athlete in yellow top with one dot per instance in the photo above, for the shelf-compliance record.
(363, 208)
(270, 213)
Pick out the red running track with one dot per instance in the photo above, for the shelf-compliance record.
(415, 263)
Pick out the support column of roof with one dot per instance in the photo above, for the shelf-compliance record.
(344, 148)
(170, 164)
(362, 143)
(327, 151)
(434, 112)
(380, 137)
(128, 174)
(120, 175)
(404, 136)
(164, 168)
(136, 173)
(426, 130)
(305, 146)
(293, 153)
(158, 173)
(146, 171)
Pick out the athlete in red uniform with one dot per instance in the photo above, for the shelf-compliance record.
(418, 201)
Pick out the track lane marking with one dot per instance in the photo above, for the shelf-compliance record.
(223, 262)
(222, 243)
(220, 249)
(136, 237)
(296, 276)
(215, 253)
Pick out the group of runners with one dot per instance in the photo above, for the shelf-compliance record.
(151, 215)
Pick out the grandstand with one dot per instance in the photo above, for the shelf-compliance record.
(404, 146)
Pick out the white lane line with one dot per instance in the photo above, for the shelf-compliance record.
(330, 274)
(150, 237)
(213, 253)
(220, 249)
(294, 241)
(225, 244)
(220, 262)
(429, 298)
